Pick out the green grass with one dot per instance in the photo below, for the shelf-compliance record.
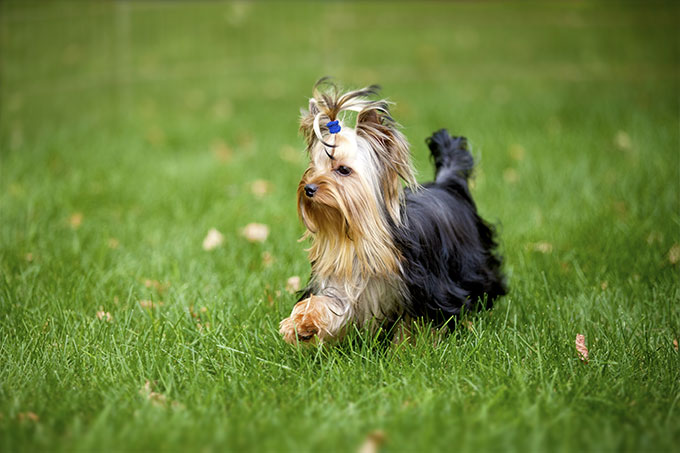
(151, 120)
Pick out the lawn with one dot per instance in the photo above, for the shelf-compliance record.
(128, 130)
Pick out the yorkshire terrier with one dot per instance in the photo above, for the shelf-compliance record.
(381, 252)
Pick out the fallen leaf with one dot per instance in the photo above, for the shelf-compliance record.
(674, 254)
(212, 240)
(581, 348)
(150, 304)
(510, 175)
(75, 220)
(267, 259)
(542, 246)
(293, 284)
(104, 316)
(260, 187)
(155, 398)
(155, 284)
(622, 140)
(256, 232)
(222, 151)
(675, 344)
(32, 416)
(604, 285)
(374, 440)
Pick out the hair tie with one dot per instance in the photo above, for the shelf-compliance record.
(333, 126)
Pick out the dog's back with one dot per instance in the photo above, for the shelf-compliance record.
(450, 257)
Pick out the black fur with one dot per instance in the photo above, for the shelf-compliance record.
(450, 252)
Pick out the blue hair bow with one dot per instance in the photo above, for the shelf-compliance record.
(333, 126)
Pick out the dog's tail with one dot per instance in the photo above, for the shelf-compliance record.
(452, 160)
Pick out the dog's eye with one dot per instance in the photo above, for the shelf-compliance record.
(343, 171)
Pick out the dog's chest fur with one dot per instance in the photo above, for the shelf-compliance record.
(365, 299)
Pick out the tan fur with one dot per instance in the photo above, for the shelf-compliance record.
(352, 251)
(311, 319)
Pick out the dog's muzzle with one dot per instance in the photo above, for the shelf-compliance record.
(310, 189)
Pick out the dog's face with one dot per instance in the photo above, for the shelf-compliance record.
(355, 173)
(341, 186)
(351, 192)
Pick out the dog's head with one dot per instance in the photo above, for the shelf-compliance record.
(357, 160)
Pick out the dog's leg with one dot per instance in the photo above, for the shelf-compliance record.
(317, 318)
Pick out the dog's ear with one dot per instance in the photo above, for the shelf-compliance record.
(307, 122)
(391, 147)
(370, 116)
(391, 151)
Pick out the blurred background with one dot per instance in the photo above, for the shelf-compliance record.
(175, 109)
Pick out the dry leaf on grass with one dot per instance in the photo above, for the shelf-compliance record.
(293, 284)
(623, 141)
(581, 348)
(675, 344)
(222, 151)
(212, 240)
(374, 440)
(104, 316)
(674, 254)
(155, 398)
(256, 232)
(155, 284)
(75, 220)
(150, 304)
(543, 247)
(267, 259)
(32, 416)
(260, 187)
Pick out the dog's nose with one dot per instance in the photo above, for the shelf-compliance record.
(310, 189)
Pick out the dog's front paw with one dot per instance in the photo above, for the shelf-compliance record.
(307, 323)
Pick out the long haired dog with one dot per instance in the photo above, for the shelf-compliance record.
(381, 252)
